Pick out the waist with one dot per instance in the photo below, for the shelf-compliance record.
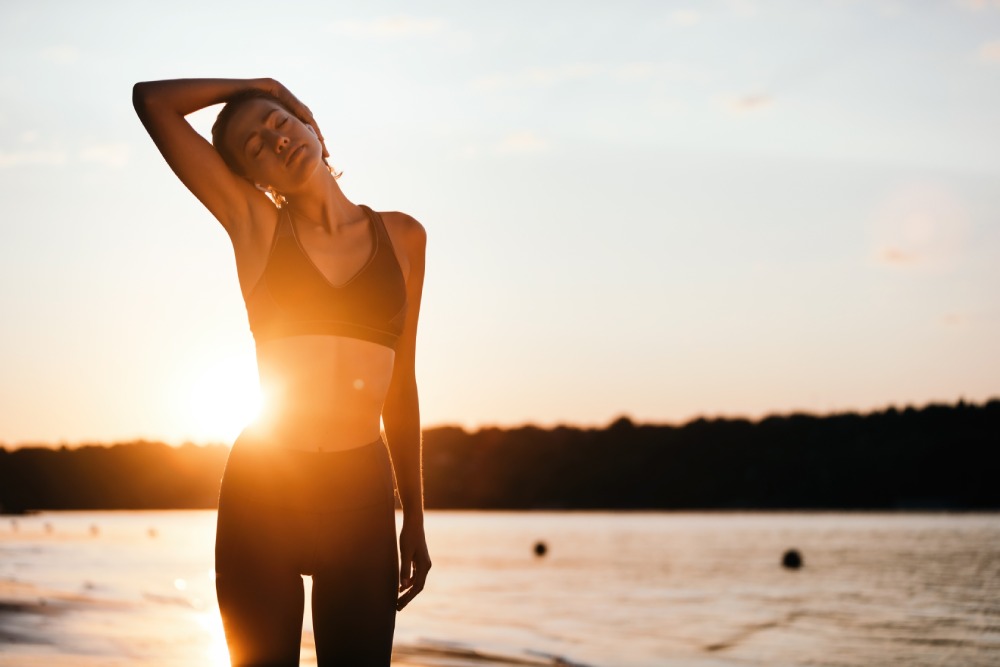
(259, 475)
(322, 393)
(251, 442)
(324, 368)
(265, 331)
(315, 434)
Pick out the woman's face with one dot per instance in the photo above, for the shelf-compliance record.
(275, 148)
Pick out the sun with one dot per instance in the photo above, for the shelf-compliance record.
(223, 397)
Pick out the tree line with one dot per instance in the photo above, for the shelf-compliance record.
(935, 457)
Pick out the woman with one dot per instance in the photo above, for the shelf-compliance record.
(332, 291)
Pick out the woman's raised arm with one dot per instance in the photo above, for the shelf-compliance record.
(162, 106)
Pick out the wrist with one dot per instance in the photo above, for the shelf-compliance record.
(414, 517)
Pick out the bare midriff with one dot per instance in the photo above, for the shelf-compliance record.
(321, 393)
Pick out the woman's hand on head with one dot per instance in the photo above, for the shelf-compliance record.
(296, 106)
(414, 563)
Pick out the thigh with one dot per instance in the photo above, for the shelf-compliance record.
(355, 587)
(258, 581)
(262, 617)
(356, 572)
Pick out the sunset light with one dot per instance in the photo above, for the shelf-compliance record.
(221, 399)
(666, 331)
(217, 653)
(666, 210)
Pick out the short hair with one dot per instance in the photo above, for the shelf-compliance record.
(225, 117)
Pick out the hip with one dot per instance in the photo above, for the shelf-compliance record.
(262, 473)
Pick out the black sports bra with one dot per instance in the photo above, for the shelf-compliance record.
(293, 298)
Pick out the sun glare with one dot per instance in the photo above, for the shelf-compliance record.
(218, 652)
(222, 399)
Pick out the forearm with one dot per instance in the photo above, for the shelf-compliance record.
(184, 96)
(401, 416)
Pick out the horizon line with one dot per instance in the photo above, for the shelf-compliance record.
(623, 417)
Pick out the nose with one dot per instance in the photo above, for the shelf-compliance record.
(281, 144)
(276, 139)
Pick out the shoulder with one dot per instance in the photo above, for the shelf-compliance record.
(404, 227)
(407, 234)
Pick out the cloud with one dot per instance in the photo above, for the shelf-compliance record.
(392, 26)
(62, 54)
(750, 102)
(990, 52)
(646, 70)
(743, 8)
(896, 256)
(522, 142)
(32, 157)
(109, 155)
(544, 77)
(920, 225)
(955, 320)
(684, 18)
(978, 5)
(537, 77)
(892, 9)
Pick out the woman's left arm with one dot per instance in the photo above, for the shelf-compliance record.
(401, 416)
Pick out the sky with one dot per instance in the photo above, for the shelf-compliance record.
(654, 209)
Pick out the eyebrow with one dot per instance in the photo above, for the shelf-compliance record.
(262, 121)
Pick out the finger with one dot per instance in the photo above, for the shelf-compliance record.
(407, 597)
(293, 103)
(411, 593)
(420, 577)
(311, 122)
(322, 142)
(319, 136)
(405, 574)
(420, 570)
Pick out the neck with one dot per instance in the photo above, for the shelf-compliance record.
(323, 203)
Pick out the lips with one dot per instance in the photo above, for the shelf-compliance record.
(294, 154)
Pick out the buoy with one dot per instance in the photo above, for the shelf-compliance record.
(792, 559)
(94, 530)
(152, 532)
(540, 548)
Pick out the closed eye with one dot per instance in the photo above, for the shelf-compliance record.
(282, 121)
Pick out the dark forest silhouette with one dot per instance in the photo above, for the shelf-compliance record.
(936, 457)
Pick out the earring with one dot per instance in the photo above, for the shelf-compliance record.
(275, 196)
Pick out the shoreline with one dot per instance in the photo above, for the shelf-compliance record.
(26, 635)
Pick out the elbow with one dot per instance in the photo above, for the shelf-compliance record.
(140, 96)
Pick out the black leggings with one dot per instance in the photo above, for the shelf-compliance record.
(284, 513)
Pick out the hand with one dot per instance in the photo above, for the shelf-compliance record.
(414, 563)
(294, 105)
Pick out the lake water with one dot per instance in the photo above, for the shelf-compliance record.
(614, 589)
